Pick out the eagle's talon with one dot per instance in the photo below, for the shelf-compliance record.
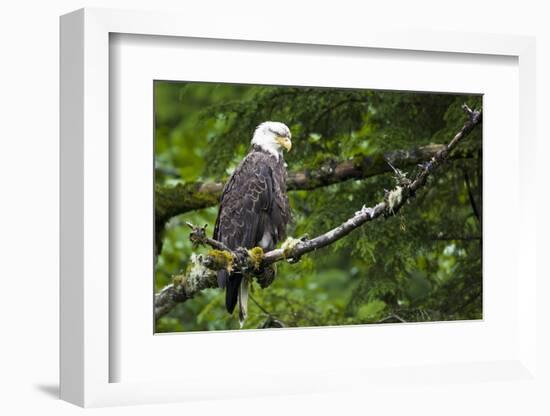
(266, 276)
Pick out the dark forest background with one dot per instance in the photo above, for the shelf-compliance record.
(423, 264)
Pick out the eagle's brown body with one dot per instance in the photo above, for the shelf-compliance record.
(254, 211)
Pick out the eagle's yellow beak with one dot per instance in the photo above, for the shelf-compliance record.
(284, 142)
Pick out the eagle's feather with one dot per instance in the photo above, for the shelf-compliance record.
(243, 300)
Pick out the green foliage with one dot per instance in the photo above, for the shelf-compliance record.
(424, 264)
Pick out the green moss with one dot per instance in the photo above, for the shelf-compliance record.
(181, 198)
(178, 279)
(203, 198)
(221, 259)
(256, 256)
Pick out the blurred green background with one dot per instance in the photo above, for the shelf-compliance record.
(421, 265)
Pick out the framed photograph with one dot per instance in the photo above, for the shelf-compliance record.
(295, 210)
(260, 182)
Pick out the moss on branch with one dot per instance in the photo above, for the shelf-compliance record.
(220, 259)
(175, 200)
(256, 257)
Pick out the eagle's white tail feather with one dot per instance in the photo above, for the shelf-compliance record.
(243, 300)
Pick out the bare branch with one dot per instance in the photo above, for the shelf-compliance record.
(198, 237)
(202, 275)
(390, 317)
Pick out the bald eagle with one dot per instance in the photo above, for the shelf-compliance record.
(254, 209)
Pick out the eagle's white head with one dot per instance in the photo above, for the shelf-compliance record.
(272, 137)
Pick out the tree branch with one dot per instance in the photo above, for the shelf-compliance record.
(201, 274)
(390, 317)
(175, 200)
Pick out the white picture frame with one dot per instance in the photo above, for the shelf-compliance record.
(86, 356)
